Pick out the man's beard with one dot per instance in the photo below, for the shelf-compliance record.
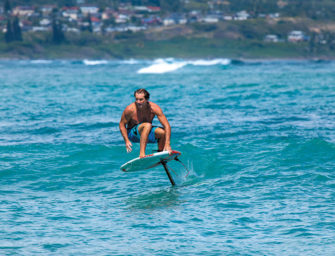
(143, 106)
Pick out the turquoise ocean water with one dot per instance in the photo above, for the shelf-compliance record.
(258, 138)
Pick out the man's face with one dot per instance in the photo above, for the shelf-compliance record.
(140, 100)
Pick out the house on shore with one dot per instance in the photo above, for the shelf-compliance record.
(86, 9)
(271, 38)
(174, 19)
(296, 36)
(71, 12)
(122, 18)
(242, 15)
(45, 22)
(47, 10)
(23, 11)
(210, 19)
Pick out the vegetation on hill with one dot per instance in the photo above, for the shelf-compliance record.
(314, 9)
(226, 38)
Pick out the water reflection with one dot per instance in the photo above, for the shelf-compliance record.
(155, 199)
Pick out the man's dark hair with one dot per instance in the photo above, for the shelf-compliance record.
(144, 91)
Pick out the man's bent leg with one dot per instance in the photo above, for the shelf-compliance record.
(144, 130)
(160, 134)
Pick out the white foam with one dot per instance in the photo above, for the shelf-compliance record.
(130, 61)
(41, 61)
(95, 62)
(160, 66)
(210, 62)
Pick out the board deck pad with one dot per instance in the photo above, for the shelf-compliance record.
(149, 161)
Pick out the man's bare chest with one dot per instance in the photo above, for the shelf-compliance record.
(143, 116)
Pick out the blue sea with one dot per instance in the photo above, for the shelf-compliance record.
(258, 138)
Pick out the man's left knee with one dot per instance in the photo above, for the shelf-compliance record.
(144, 127)
(147, 126)
(159, 132)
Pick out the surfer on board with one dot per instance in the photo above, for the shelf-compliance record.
(136, 124)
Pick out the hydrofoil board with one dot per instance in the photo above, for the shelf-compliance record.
(150, 161)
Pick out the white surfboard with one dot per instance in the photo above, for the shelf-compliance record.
(149, 161)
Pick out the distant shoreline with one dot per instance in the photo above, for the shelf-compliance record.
(245, 60)
(232, 40)
(177, 47)
(92, 54)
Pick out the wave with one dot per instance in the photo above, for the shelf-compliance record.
(161, 66)
(95, 62)
(210, 62)
(130, 61)
(112, 62)
(41, 62)
(158, 66)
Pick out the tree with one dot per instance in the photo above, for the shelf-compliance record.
(136, 2)
(115, 4)
(171, 6)
(313, 43)
(9, 32)
(57, 28)
(17, 34)
(7, 6)
(57, 32)
(89, 20)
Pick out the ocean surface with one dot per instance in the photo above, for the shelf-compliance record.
(258, 138)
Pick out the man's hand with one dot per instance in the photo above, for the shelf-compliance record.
(128, 146)
(167, 148)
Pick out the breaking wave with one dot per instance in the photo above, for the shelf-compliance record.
(161, 66)
(41, 61)
(210, 62)
(95, 62)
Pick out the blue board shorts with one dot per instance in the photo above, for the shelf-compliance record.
(134, 134)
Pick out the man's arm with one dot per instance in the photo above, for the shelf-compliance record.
(163, 120)
(122, 125)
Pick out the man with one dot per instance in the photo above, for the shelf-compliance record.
(136, 124)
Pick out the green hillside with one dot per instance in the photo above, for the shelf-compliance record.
(226, 37)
